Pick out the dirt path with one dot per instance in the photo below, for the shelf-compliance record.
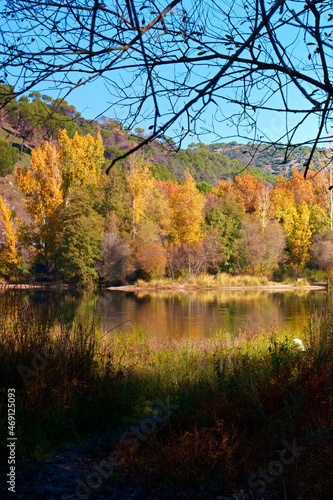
(72, 473)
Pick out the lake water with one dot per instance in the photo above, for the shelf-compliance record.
(194, 315)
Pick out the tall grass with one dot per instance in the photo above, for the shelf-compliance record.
(67, 385)
(240, 401)
(206, 281)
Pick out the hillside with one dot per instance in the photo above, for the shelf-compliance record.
(268, 159)
(125, 215)
(207, 163)
(35, 118)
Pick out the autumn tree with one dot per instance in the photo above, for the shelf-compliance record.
(155, 226)
(322, 180)
(186, 230)
(264, 209)
(297, 206)
(140, 184)
(276, 242)
(81, 160)
(248, 190)
(9, 255)
(151, 218)
(224, 188)
(302, 189)
(260, 253)
(187, 215)
(315, 193)
(299, 232)
(169, 188)
(309, 192)
(42, 186)
(281, 198)
(47, 186)
(152, 259)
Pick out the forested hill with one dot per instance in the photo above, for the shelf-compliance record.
(271, 160)
(37, 118)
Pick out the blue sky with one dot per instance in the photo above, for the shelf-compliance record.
(94, 99)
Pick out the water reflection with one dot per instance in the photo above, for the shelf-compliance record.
(172, 315)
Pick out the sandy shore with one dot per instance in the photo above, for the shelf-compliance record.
(277, 287)
(57, 286)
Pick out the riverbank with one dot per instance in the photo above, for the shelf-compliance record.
(220, 282)
(41, 285)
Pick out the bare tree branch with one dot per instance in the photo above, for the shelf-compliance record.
(172, 62)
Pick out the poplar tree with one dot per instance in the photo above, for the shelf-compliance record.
(187, 216)
(42, 186)
(47, 185)
(9, 255)
(140, 184)
(81, 160)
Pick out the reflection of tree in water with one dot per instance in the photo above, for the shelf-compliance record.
(115, 309)
(62, 307)
(299, 307)
(203, 313)
(169, 315)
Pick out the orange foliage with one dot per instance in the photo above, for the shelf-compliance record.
(281, 197)
(152, 259)
(303, 189)
(223, 188)
(169, 188)
(248, 191)
(321, 183)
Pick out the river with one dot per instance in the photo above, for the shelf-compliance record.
(171, 315)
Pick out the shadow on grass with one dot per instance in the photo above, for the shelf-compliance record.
(243, 405)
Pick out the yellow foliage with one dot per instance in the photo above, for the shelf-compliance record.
(81, 160)
(223, 188)
(158, 210)
(41, 183)
(47, 185)
(140, 184)
(9, 256)
(187, 213)
(298, 227)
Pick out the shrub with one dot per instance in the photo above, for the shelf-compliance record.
(151, 259)
(8, 158)
(322, 251)
(115, 262)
